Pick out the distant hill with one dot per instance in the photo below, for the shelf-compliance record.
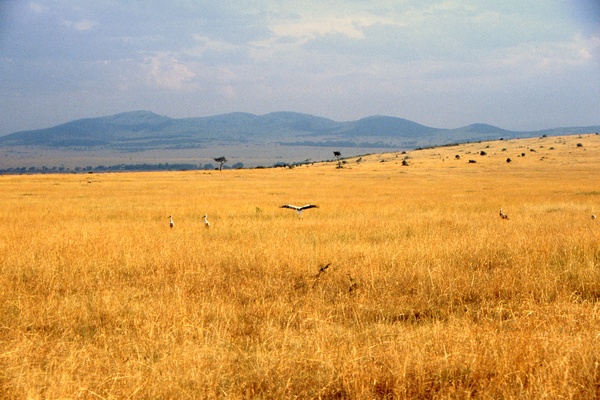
(144, 130)
(247, 137)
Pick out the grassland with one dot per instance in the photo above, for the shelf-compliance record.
(428, 293)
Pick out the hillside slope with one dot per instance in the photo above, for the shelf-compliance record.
(144, 130)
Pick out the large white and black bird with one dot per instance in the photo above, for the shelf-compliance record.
(502, 215)
(299, 209)
(206, 223)
(171, 223)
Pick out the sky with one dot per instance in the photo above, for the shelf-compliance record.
(519, 65)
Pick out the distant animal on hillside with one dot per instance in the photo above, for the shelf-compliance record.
(206, 223)
(171, 223)
(299, 209)
(502, 215)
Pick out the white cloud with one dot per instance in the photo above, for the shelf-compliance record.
(205, 44)
(551, 57)
(311, 27)
(37, 7)
(81, 25)
(140, 40)
(167, 72)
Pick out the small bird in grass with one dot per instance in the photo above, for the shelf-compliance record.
(171, 223)
(323, 269)
(299, 209)
(593, 216)
(502, 215)
(206, 223)
(353, 285)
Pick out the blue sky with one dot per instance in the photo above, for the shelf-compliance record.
(521, 65)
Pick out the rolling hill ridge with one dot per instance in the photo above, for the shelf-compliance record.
(144, 130)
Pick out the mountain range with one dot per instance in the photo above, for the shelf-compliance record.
(251, 140)
(144, 130)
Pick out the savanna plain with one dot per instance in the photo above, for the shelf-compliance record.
(404, 283)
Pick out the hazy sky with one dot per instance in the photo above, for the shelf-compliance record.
(522, 65)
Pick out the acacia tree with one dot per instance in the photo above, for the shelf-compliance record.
(337, 155)
(221, 161)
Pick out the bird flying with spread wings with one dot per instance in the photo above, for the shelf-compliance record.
(299, 209)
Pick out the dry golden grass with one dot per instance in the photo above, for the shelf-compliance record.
(429, 294)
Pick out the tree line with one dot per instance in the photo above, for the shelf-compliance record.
(151, 167)
(119, 167)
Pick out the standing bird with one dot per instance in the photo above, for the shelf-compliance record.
(206, 223)
(171, 223)
(502, 215)
(353, 285)
(299, 209)
(593, 216)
